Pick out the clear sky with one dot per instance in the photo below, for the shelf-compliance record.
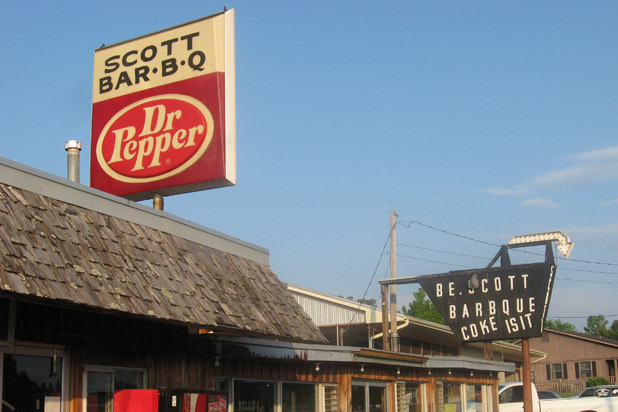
(474, 121)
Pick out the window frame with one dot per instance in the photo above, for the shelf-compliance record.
(107, 369)
(23, 349)
(486, 394)
(552, 372)
(421, 395)
(556, 371)
(322, 395)
(587, 371)
(276, 389)
(279, 390)
(376, 384)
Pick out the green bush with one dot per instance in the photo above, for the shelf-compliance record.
(596, 382)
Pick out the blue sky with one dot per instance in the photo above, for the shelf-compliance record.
(477, 120)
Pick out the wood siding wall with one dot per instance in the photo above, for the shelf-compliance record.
(560, 348)
(567, 350)
(176, 359)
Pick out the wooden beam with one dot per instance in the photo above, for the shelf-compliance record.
(385, 342)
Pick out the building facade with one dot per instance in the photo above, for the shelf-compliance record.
(99, 295)
(345, 322)
(573, 358)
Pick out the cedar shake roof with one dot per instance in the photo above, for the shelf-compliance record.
(56, 251)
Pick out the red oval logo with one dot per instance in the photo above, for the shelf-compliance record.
(155, 138)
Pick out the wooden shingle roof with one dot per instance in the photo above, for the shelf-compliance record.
(56, 251)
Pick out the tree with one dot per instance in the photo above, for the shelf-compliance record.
(421, 307)
(558, 324)
(613, 331)
(596, 325)
(370, 302)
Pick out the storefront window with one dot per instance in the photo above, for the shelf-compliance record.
(474, 398)
(377, 399)
(100, 392)
(452, 397)
(298, 397)
(103, 382)
(31, 383)
(4, 319)
(358, 398)
(222, 384)
(448, 396)
(409, 397)
(368, 397)
(254, 396)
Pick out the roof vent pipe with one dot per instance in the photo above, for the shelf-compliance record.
(73, 147)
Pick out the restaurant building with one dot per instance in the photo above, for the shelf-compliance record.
(100, 295)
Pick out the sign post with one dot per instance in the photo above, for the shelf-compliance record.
(494, 303)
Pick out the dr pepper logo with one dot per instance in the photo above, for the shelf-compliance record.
(154, 138)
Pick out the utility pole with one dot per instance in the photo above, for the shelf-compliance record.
(394, 336)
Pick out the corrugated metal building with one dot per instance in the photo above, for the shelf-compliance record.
(345, 322)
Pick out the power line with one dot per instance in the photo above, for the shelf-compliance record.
(580, 317)
(480, 258)
(372, 277)
(467, 267)
(442, 251)
(411, 222)
(407, 224)
(589, 271)
(433, 261)
(586, 281)
(589, 261)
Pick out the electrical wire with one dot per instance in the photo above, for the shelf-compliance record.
(481, 258)
(407, 224)
(580, 317)
(433, 261)
(587, 281)
(443, 251)
(372, 277)
(411, 222)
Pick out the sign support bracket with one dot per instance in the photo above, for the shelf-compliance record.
(505, 261)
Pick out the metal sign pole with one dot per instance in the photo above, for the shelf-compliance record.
(393, 335)
(466, 298)
(526, 378)
(385, 344)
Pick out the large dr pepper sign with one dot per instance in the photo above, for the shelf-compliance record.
(163, 115)
(492, 304)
